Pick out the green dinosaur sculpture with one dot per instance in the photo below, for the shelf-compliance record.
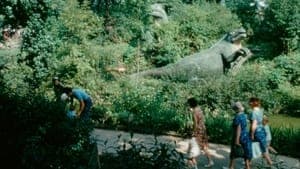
(226, 55)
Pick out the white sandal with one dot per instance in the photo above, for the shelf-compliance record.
(210, 164)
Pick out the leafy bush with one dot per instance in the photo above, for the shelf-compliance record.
(17, 13)
(165, 47)
(287, 65)
(18, 83)
(283, 21)
(219, 128)
(279, 26)
(80, 23)
(39, 44)
(30, 125)
(285, 139)
(145, 108)
(62, 47)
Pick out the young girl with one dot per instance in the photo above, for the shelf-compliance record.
(199, 129)
(268, 135)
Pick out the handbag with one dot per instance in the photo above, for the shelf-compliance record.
(256, 151)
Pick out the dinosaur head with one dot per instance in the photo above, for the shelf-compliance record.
(159, 13)
(233, 49)
(236, 35)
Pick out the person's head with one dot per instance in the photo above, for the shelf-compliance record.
(238, 107)
(68, 91)
(55, 81)
(64, 97)
(192, 102)
(265, 120)
(254, 102)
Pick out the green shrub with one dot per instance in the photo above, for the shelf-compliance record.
(145, 108)
(19, 12)
(30, 125)
(279, 26)
(166, 47)
(17, 83)
(219, 128)
(39, 45)
(80, 23)
(283, 21)
(285, 139)
(287, 65)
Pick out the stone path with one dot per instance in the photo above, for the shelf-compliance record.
(108, 140)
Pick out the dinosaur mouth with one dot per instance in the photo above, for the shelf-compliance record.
(240, 34)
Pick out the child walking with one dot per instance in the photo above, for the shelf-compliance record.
(268, 135)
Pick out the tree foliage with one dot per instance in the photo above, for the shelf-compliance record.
(30, 125)
(284, 20)
(279, 23)
(18, 12)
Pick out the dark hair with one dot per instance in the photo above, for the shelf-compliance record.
(254, 101)
(55, 78)
(266, 119)
(192, 102)
(67, 90)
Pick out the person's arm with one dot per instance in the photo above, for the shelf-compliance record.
(253, 127)
(238, 134)
(81, 107)
(195, 121)
(198, 116)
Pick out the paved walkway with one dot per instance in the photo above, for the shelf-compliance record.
(109, 140)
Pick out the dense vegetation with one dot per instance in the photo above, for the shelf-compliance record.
(85, 42)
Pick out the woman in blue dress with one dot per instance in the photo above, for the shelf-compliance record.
(257, 131)
(240, 137)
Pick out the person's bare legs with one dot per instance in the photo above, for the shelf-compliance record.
(193, 162)
(208, 156)
(271, 149)
(231, 164)
(268, 159)
(247, 164)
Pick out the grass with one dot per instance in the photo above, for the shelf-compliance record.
(280, 120)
